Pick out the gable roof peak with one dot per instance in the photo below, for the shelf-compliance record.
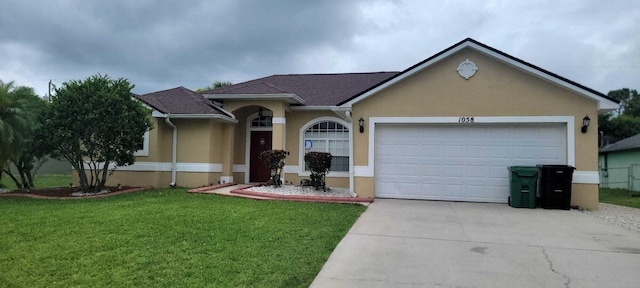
(605, 103)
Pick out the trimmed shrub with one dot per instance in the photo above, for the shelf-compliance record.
(274, 159)
(319, 164)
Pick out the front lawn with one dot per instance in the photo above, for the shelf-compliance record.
(619, 197)
(167, 238)
(40, 181)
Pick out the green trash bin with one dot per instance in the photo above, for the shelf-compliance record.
(523, 183)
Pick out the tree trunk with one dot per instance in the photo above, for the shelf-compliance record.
(15, 180)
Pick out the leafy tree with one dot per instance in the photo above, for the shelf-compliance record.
(631, 103)
(95, 122)
(624, 126)
(626, 121)
(16, 118)
(215, 85)
(623, 95)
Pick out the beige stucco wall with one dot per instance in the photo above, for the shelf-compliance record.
(585, 196)
(159, 143)
(134, 178)
(294, 121)
(497, 89)
(198, 142)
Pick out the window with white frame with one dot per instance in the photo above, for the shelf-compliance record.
(329, 136)
(143, 147)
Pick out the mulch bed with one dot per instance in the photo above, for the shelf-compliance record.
(66, 192)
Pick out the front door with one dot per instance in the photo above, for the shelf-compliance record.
(260, 141)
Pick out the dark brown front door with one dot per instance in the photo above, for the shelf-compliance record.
(260, 141)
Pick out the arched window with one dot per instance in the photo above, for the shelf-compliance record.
(329, 136)
(262, 121)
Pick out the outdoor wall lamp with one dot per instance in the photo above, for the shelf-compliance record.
(361, 122)
(260, 112)
(585, 123)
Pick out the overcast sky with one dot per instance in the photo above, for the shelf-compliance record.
(164, 44)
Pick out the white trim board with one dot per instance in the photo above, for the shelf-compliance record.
(586, 177)
(166, 167)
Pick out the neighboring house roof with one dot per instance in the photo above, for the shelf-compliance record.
(632, 142)
(605, 103)
(179, 100)
(313, 89)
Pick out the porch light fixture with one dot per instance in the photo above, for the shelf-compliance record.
(361, 122)
(260, 112)
(585, 123)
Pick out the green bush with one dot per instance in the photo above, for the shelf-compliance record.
(319, 164)
(274, 159)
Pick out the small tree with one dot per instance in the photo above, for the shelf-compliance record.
(95, 123)
(319, 164)
(274, 159)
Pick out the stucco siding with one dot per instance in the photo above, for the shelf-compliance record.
(134, 178)
(496, 90)
(585, 196)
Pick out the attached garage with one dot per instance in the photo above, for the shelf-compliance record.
(460, 162)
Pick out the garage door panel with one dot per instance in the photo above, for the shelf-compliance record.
(550, 154)
(460, 163)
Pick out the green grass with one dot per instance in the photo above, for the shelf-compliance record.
(167, 238)
(619, 197)
(40, 181)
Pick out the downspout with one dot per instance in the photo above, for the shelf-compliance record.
(351, 168)
(174, 149)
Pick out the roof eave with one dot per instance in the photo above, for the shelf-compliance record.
(219, 117)
(287, 97)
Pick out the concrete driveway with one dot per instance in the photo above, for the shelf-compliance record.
(406, 243)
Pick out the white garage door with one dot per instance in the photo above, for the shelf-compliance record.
(460, 162)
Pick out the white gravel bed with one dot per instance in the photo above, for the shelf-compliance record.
(79, 194)
(625, 217)
(4, 190)
(307, 191)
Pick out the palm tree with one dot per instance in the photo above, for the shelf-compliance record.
(15, 119)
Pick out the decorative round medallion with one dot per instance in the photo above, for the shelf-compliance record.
(467, 69)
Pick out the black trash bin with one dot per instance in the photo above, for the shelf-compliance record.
(555, 186)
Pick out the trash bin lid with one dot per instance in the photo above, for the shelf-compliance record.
(524, 171)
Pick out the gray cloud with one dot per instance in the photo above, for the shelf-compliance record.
(163, 44)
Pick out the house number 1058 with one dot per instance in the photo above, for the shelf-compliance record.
(466, 120)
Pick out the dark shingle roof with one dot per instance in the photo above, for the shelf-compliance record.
(314, 89)
(632, 142)
(179, 100)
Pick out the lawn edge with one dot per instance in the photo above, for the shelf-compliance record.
(27, 195)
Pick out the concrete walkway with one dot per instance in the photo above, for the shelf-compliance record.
(405, 243)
